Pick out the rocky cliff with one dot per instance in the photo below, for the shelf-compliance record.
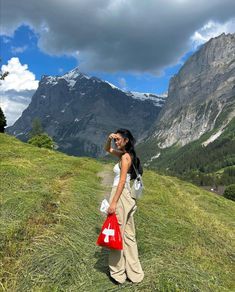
(201, 97)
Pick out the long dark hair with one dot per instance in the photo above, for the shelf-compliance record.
(130, 148)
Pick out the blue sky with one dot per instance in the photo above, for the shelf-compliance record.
(136, 45)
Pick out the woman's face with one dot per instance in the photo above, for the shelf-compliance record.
(120, 142)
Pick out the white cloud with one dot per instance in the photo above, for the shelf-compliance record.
(16, 90)
(210, 30)
(19, 77)
(12, 109)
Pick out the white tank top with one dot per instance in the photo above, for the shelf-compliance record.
(117, 172)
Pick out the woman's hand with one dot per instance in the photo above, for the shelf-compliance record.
(112, 136)
(112, 208)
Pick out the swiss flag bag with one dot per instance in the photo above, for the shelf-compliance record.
(110, 235)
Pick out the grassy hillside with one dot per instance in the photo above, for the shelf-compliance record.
(213, 164)
(50, 222)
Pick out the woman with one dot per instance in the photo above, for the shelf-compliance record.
(125, 263)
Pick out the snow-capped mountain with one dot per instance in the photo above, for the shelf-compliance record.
(80, 111)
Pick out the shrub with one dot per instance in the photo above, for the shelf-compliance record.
(229, 192)
(42, 140)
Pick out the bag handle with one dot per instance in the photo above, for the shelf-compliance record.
(136, 171)
(138, 176)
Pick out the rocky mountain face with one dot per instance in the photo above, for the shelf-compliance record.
(79, 112)
(201, 97)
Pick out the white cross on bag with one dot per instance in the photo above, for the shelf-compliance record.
(108, 232)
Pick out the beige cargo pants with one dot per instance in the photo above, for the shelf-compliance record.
(125, 263)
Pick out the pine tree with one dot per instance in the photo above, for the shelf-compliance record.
(3, 122)
(3, 75)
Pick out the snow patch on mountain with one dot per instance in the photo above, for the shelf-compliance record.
(74, 74)
(158, 101)
(51, 80)
(113, 86)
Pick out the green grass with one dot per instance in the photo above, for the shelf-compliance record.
(50, 220)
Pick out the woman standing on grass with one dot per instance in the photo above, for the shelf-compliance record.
(124, 263)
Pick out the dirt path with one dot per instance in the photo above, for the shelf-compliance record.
(107, 178)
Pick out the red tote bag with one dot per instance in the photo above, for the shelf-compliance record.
(110, 235)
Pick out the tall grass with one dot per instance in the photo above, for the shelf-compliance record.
(49, 223)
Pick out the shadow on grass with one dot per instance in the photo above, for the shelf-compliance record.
(102, 261)
(97, 230)
(102, 257)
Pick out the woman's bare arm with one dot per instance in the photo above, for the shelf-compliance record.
(109, 149)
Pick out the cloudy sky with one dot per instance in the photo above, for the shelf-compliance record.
(137, 45)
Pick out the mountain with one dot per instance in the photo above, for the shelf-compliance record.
(80, 111)
(200, 105)
(201, 96)
(50, 221)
